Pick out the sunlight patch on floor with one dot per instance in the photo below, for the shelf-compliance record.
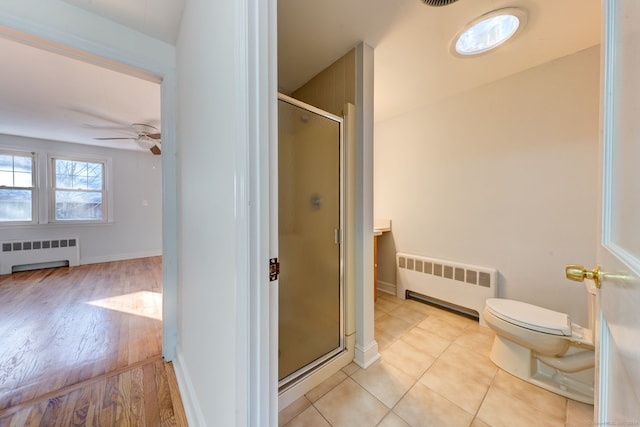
(141, 303)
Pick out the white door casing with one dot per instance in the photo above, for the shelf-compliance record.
(618, 323)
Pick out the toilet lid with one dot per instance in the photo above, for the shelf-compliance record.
(530, 316)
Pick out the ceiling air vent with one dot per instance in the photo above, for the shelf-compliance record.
(438, 2)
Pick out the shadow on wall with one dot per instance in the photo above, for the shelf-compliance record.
(387, 263)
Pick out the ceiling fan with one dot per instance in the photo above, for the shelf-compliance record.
(147, 136)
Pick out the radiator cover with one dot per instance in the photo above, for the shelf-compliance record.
(458, 284)
(32, 252)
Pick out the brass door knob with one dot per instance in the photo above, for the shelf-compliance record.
(578, 273)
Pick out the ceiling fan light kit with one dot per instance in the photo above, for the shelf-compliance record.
(147, 136)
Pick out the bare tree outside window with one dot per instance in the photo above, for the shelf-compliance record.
(78, 190)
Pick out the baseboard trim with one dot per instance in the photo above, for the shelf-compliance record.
(118, 257)
(366, 356)
(386, 287)
(189, 401)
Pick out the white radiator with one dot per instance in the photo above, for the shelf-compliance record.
(462, 285)
(32, 252)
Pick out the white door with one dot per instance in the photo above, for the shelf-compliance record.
(618, 392)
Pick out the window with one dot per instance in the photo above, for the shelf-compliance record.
(16, 186)
(78, 190)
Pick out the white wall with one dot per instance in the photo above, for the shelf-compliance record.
(209, 137)
(503, 176)
(136, 230)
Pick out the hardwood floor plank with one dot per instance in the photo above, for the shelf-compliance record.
(79, 413)
(152, 409)
(81, 346)
(137, 401)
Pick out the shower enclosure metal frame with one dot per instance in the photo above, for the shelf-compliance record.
(340, 235)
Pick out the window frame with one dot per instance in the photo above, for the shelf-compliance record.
(34, 186)
(105, 191)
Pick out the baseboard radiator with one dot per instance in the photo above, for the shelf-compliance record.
(32, 254)
(458, 286)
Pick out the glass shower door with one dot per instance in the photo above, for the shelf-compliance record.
(309, 221)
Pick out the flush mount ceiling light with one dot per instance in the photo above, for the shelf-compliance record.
(488, 31)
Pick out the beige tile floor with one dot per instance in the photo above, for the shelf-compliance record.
(434, 371)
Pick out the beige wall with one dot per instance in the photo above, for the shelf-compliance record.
(502, 176)
(333, 87)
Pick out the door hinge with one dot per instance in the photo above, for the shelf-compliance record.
(274, 269)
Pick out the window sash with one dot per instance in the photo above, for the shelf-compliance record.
(18, 194)
(78, 190)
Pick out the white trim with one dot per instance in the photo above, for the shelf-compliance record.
(192, 410)
(119, 257)
(386, 287)
(259, 111)
(602, 389)
(267, 198)
(608, 49)
(169, 95)
(366, 356)
(366, 349)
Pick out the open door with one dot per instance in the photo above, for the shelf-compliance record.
(618, 326)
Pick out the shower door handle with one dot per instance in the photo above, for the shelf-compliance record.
(337, 236)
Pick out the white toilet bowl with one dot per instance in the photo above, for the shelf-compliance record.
(542, 347)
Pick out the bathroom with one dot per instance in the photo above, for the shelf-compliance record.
(501, 175)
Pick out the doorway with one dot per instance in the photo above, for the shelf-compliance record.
(162, 277)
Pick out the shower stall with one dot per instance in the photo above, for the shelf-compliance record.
(310, 221)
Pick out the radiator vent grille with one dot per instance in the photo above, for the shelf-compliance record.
(470, 276)
(460, 284)
(38, 244)
(33, 252)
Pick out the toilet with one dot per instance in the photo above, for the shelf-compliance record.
(543, 347)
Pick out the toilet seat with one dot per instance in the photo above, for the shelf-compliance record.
(530, 316)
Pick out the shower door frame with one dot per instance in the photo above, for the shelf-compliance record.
(303, 372)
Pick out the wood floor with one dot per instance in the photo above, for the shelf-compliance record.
(82, 346)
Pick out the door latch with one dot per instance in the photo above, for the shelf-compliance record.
(274, 269)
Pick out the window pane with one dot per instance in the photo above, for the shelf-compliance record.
(79, 175)
(63, 181)
(95, 169)
(22, 164)
(15, 205)
(6, 178)
(6, 162)
(63, 167)
(22, 179)
(73, 205)
(79, 182)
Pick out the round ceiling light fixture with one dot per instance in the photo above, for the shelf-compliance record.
(489, 31)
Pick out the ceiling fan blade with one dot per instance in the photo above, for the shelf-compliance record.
(109, 139)
(153, 135)
(114, 127)
(155, 150)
